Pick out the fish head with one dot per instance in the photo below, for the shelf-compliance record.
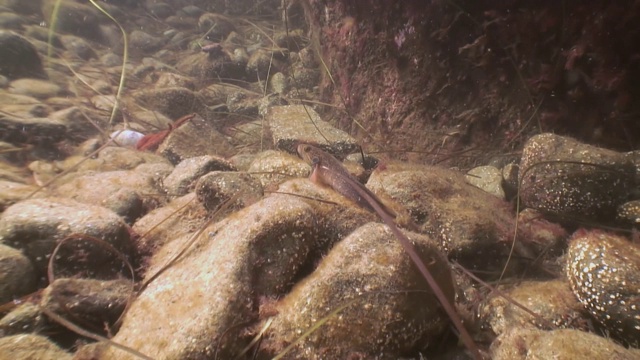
(309, 153)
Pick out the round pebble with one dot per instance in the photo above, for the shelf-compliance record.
(604, 273)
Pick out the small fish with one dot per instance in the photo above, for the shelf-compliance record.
(328, 171)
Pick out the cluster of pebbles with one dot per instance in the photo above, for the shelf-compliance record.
(264, 252)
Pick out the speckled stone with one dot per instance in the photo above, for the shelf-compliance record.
(273, 167)
(393, 311)
(562, 176)
(563, 344)
(604, 273)
(552, 301)
(630, 212)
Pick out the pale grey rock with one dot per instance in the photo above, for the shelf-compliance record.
(487, 178)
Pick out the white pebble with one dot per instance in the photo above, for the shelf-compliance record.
(126, 138)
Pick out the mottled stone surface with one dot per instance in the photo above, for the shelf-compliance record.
(188, 171)
(30, 346)
(604, 272)
(125, 192)
(552, 302)
(567, 178)
(630, 212)
(40, 89)
(196, 137)
(564, 344)
(36, 226)
(95, 302)
(272, 167)
(385, 306)
(196, 303)
(12, 192)
(471, 225)
(25, 318)
(17, 275)
(217, 187)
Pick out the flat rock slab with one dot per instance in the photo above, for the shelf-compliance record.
(293, 124)
(195, 138)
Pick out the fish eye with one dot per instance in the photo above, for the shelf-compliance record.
(315, 160)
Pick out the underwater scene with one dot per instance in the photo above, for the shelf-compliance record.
(305, 179)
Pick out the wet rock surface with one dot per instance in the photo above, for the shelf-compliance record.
(30, 346)
(36, 226)
(562, 176)
(183, 177)
(377, 289)
(17, 275)
(261, 251)
(95, 302)
(604, 272)
(470, 225)
(233, 264)
(293, 124)
(552, 301)
(559, 344)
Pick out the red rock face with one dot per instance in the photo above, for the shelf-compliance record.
(419, 73)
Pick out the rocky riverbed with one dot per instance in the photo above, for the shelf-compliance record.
(170, 214)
